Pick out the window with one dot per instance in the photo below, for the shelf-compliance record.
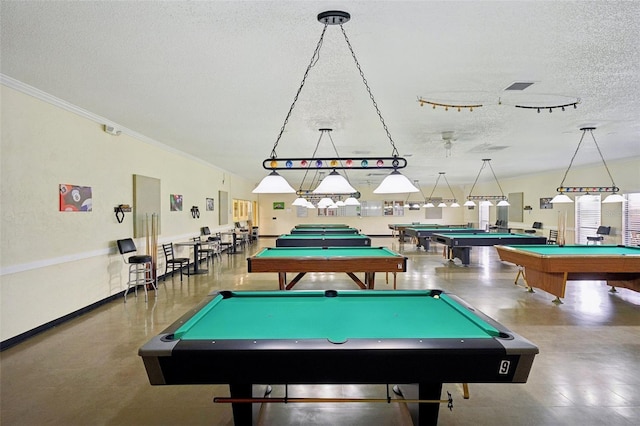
(631, 220)
(587, 217)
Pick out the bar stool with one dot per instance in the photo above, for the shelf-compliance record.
(600, 233)
(140, 268)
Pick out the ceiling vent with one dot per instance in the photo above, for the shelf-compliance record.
(519, 85)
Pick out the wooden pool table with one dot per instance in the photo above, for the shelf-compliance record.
(424, 337)
(327, 259)
(549, 267)
(459, 245)
(323, 240)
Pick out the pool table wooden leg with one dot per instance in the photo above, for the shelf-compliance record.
(242, 413)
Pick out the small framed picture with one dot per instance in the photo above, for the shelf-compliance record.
(209, 204)
(278, 205)
(545, 203)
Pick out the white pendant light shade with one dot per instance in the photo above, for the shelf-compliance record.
(502, 203)
(351, 202)
(324, 202)
(340, 203)
(486, 203)
(614, 198)
(334, 183)
(302, 202)
(442, 204)
(332, 206)
(454, 204)
(429, 205)
(310, 205)
(395, 183)
(469, 203)
(274, 184)
(561, 198)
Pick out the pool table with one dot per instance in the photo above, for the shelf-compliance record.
(320, 225)
(549, 267)
(459, 245)
(327, 259)
(424, 337)
(323, 240)
(422, 234)
(303, 231)
(400, 227)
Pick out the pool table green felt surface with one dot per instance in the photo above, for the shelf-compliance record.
(307, 315)
(549, 267)
(327, 259)
(426, 337)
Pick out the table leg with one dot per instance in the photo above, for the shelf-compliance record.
(242, 413)
(428, 413)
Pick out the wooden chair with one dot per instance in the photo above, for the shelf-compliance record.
(171, 260)
(553, 237)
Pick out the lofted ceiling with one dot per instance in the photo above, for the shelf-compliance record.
(216, 79)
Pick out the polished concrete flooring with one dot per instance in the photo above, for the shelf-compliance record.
(87, 371)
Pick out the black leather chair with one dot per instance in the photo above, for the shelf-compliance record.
(535, 226)
(205, 251)
(140, 268)
(600, 234)
(553, 237)
(171, 260)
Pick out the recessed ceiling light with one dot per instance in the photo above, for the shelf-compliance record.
(519, 85)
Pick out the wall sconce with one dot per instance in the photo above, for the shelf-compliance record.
(195, 212)
(120, 210)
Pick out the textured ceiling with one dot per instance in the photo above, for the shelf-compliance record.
(216, 79)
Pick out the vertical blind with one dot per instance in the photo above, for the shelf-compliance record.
(587, 217)
(631, 220)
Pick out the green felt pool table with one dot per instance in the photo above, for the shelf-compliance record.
(399, 228)
(323, 240)
(422, 234)
(424, 337)
(320, 225)
(459, 245)
(303, 231)
(549, 267)
(327, 259)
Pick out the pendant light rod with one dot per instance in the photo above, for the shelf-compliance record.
(613, 188)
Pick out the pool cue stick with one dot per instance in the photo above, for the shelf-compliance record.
(465, 390)
(332, 400)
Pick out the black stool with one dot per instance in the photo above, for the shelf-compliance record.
(140, 268)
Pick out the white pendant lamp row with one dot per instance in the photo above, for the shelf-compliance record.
(334, 182)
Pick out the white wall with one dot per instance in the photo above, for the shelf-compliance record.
(53, 263)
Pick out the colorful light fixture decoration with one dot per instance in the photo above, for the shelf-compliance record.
(395, 182)
(614, 197)
(486, 199)
(443, 203)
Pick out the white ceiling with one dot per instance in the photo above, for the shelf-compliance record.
(216, 79)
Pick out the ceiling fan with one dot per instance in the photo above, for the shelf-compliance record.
(448, 139)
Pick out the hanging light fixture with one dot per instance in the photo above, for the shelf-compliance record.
(486, 199)
(394, 183)
(443, 203)
(614, 197)
(413, 205)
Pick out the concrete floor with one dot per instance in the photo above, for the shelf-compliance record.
(87, 372)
